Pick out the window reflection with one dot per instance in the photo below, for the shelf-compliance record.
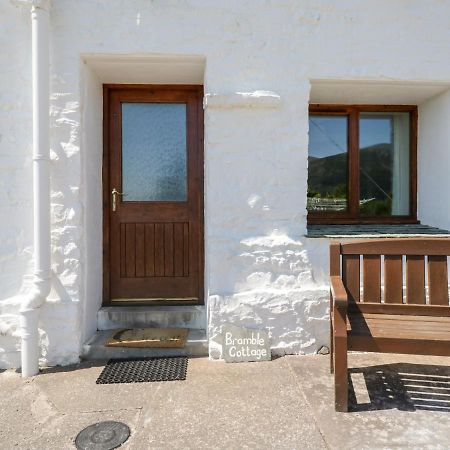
(384, 164)
(327, 163)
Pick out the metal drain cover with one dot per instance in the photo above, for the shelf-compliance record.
(102, 436)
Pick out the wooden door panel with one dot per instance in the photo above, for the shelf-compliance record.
(158, 287)
(178, 245)
(149, 244)
(159, 249)
(141, 249)
(153, 249)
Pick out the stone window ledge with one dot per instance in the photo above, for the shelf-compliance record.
(374, 231)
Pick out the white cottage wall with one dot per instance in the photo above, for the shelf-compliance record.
(16, 208)
(261, 271)
(91, 192)
(434, 161)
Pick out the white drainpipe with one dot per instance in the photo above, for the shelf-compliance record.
(41, 188)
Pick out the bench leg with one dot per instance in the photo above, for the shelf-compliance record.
(340, 374)
(331, 343)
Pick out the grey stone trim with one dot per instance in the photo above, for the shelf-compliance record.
(373, 231)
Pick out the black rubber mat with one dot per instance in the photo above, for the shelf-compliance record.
(141, 370)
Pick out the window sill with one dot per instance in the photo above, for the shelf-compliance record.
(374, 231)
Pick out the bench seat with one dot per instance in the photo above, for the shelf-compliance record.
(389, 333)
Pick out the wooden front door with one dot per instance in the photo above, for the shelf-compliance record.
(153, 194)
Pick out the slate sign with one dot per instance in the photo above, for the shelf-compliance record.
(244, 344)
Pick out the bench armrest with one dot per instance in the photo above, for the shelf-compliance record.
(338, 292)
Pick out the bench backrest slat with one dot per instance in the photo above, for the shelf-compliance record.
(372, 277)
(393, 279)
(438, 280)
(350, 276)
(415, 279)
(428, 255)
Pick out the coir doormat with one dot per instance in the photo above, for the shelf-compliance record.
(149, 338)
(141, 370)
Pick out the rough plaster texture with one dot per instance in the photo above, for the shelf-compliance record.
(260, 270)
(275, 291)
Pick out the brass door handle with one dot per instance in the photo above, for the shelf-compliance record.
(115, 192)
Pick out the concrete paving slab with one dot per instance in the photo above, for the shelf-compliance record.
(60, 431)
(10, 381)
(72, 424)
(72, 389)
(398, 401)
(30, 420)
(226, 406)
(247, 405)
(18, 418)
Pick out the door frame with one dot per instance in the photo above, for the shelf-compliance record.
(107, 89)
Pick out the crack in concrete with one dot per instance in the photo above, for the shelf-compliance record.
(138, 408)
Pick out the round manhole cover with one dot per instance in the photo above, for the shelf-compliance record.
(102, 436)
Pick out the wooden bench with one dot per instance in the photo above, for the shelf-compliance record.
(375, 315)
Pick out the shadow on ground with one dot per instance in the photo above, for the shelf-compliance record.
(402, 386)
(74, 367)
(86, 365)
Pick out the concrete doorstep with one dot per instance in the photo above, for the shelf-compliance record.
(397, 401)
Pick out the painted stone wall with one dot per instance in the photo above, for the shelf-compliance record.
(434, 182)
(260, 269)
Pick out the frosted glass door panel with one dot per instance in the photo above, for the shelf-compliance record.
(154, 152)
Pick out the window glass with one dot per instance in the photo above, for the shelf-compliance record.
(154, 152)
(384, 164)
(327, 163)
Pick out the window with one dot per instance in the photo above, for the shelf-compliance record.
(362, 164)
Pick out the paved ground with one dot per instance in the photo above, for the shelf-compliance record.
(398, 402)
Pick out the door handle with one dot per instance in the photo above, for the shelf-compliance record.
(115, 192)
